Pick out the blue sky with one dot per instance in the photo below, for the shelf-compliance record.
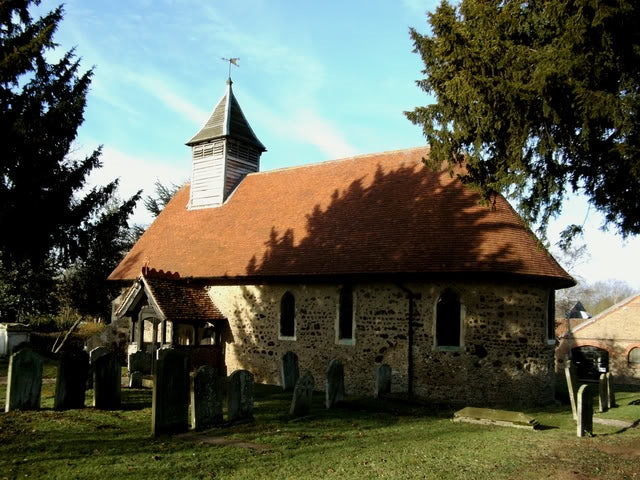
(317, 80)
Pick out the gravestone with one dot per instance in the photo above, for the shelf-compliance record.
(289, 371)
(135, 379)
(603, 393)
(170, 400)
(93, 356)
(611, 390)
(24, 380)
(334, 386)
(302, 396)
(71, 381)
(139, 362)
(106, 381)
(585, 412)
(240, 396)
(207, 393)
(572, 386)
(383, 380)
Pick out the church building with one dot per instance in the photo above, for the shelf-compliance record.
(372, 259)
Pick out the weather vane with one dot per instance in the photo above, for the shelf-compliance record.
(231, 61)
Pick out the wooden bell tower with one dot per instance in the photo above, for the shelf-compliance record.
(223, 152)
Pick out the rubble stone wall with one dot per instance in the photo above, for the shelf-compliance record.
(504, 358)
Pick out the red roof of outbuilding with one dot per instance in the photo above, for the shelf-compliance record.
(373, 214)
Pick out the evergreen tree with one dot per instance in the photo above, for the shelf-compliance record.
(83, 287)
(163, 193)
(47, 223)
(538, 98)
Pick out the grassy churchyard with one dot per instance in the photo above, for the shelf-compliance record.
(364, 438)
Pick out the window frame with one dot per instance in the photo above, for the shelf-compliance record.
(634, 362)
(343, 290)
(461, 317)
(550, 318)
(285, 297)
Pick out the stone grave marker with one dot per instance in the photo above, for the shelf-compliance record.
(585, 412)
(289, 371)
(603, 393)
(572, 386)
(135, 379)
(334, 387)
(106, 381)
(93, 356)
(170, 400)
(207, 393)
(611, 390)
(240, 396)
(24, 380)
(302, 395)
(383, 380)
(71, 381)
(139, 362)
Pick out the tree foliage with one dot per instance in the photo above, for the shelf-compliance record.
(538, 99)
(48, 215)
(162, 194)
(595, 297)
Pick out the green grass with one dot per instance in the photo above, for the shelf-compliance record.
(363, 438)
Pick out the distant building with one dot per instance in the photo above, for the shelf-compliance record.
(610, 341)
(372, 260)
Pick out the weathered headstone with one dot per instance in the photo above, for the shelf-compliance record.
(93, 356)
(572, 386)
(71, 381)
(611, 390)
(289, 371)
(24, 380)
(139, 362)
(585, 411)
(334, 387)
(240, 396)
(603, 393)
(302, 395)
(106, 381)
(135, 379)
(383, 380)
(207, 393)
(170, 401)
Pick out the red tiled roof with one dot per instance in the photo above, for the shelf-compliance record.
(181, 301)
(373, 214)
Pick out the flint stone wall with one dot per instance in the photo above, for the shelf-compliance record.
(504, 342)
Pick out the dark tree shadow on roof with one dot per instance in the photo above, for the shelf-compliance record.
(407, 220)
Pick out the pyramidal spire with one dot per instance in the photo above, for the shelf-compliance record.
(223, 152)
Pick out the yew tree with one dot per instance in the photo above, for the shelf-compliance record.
(48, 215)
(538, 99)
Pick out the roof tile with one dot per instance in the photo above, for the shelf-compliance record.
(382, 213)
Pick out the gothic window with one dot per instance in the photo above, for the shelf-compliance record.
(345, 313)
(448, 320)
(287, 316)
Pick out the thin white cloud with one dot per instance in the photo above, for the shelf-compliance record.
(161, 90)
(307, 125)
(137, 173)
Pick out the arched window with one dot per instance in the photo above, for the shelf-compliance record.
(634, 356)
(345, 314)
(448, 320)
(288, 315)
